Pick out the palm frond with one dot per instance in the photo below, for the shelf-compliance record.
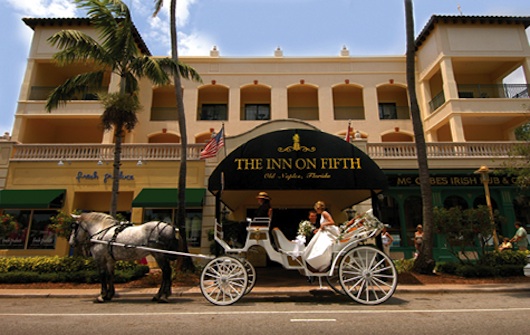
(76, 46)
(72, 86)
(184, 70)
(129, 83)
(151, 68)
(120, 111)
(158, 7)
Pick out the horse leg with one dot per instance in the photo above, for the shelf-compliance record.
(110, 281)
(165, 287)
(103, 279)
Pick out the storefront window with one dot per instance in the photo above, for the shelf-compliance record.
(413, 216)
(521, 207)
(193, 223)
(455, 201)
(32, 230)
(39, 235)
(389, 208)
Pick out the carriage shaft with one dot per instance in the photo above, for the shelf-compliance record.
(162, 251)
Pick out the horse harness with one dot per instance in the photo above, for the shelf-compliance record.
(119, 227)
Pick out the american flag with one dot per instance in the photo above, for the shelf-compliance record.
(212, 147)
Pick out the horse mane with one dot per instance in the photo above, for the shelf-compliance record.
(98, 217)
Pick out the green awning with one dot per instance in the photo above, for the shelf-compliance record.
(167, 197)
(31, 198)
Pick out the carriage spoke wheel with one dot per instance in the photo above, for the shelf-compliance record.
(334, 282)
(251, 275)
(224, 281)
(367, 275)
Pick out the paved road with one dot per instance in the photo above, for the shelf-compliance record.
(407, 313)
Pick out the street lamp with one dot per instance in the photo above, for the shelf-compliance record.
(484, 171)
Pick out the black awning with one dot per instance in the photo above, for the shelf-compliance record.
(298, 159)
(31, 198)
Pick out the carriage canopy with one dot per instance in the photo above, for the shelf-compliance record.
(291, 163)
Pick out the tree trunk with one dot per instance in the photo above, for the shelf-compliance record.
(424, 262)
(118, 132)
(187, 263)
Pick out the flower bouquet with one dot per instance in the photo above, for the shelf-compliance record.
(8, 224)
(305, 228)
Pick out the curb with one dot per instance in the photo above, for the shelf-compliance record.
(257, 291)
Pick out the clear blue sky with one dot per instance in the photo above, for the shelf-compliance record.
(242, 28)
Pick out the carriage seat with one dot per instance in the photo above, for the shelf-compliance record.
(260, 223)
(282, 242)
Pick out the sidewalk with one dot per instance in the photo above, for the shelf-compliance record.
(270, 282)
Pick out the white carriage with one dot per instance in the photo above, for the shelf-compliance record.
(356, 269)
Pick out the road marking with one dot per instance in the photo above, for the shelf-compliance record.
(313, 320)
(313, 312)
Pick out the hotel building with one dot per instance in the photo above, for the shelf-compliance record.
(63, 160)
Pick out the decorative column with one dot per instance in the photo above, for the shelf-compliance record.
(448, 77)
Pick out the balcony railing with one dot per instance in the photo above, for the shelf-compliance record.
(348, 112)
(103, 152)
(437, 101)
(484, 91)
(510, 91)
(442, 150)
(171, 152)
(164, 114)
(42, 93)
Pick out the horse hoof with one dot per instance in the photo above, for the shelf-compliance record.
(155, 298)
(163, 300)
(99, 300)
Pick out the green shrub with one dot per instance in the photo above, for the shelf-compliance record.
(63, 269)
(447, 267)
(404, 265)
(506, 257)
(510, 270)
(476, 271)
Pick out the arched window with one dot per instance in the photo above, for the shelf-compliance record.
(455, 201)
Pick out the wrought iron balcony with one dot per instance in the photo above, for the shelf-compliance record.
(484, 91)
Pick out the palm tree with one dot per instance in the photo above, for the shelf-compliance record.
(115, 50)
(181, 210)
(425, 261)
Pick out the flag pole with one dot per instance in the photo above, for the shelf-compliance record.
(224, 138)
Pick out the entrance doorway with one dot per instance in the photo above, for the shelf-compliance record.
(288, 220)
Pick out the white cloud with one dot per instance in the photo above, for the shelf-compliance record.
(44, 8)
(183, 10)
(194, 44)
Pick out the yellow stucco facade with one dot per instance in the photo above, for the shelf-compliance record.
(469, 115)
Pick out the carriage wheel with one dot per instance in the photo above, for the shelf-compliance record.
(367, 275)
(224, 281)
(334, 282)
(251, 275)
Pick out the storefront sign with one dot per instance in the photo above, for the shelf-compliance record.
(95, 176)
(449, 180)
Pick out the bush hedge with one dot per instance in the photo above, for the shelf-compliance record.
(57, 269)
(492, 264)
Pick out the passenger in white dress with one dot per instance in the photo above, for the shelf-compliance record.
(318, 252)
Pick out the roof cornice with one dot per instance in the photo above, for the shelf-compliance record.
(461, 19)
(71, 22)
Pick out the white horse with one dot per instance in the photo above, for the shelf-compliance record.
(103, 227)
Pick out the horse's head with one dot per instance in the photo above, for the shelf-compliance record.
(86, 226)
(79, 232)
